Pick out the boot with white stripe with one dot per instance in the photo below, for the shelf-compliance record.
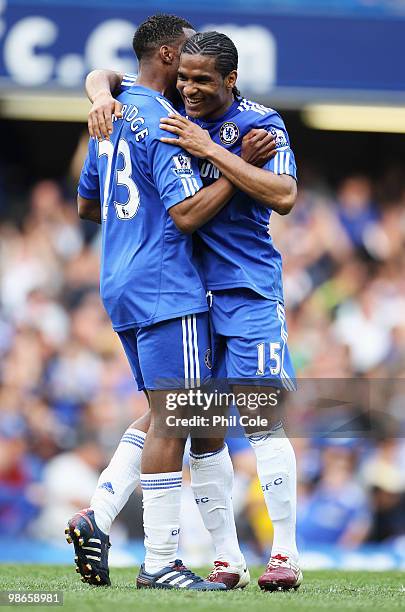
(233, 576)
(91, 548)
(176, 576)
(281, 574)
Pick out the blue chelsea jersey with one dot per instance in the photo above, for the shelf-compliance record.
(235, 247)
(238, 250)
(148, 272)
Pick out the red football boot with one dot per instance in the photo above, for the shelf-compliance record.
(281, 574)
(233, 576)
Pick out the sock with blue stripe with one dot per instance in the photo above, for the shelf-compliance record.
(161, 518)
(119, 479)
(212, 483)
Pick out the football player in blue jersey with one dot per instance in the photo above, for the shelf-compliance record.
(244, 272)
(242, 268)
(148, 197)
(151, 289)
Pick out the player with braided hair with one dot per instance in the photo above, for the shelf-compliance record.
(242, 268)
(219, 46)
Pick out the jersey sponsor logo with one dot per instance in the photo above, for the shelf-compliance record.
(182, 165)
(208, 170)
(228, 133)
(279, 137)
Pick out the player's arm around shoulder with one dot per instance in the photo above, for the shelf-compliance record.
(177, 178)
(101, 87)
(194, 211)
(276, 191)
(259, 149)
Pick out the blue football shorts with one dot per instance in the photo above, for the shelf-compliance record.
(173, 354)
(250, 340)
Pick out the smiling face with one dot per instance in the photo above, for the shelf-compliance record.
(205, 92)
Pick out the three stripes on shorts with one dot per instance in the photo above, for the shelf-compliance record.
(192, 375)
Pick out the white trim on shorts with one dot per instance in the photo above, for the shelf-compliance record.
(192, 374)
(285, 379)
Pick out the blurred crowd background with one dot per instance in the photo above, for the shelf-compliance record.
(66, 391)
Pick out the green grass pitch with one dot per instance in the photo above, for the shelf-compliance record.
(323, 590)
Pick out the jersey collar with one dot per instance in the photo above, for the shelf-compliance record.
(229, 113)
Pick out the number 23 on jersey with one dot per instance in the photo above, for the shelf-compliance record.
(128, 209)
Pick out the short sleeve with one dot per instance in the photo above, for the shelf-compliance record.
(175, 172)
(89, 184)
(284, 161)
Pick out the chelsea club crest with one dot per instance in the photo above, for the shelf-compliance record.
(228, 133)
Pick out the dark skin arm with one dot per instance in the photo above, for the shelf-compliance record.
(274, 191)
(188, 215)
(89, 209)
(258, 147)
(193, 212)
(100, 85)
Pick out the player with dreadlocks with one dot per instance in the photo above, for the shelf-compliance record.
(241, 266)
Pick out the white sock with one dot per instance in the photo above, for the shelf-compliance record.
(161, 518)
(119, 479)
(195, 541)
(276, 468)
(212, 481)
